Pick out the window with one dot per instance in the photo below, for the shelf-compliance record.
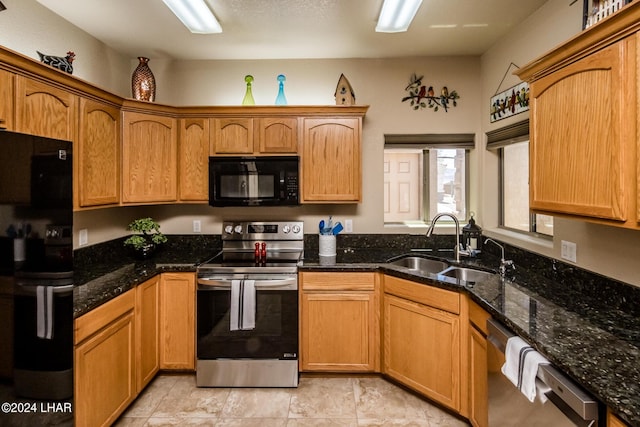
(512, 144)
(425, 175)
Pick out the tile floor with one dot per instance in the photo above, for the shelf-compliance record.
(174, 400)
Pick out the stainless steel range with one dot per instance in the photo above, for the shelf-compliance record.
(247, 307)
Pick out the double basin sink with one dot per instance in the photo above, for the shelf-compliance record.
(442, 268)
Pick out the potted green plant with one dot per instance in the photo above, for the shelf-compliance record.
(148, 238)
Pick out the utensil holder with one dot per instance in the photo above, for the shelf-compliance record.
(327, 245)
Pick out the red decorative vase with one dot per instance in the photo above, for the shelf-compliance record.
(143, 83)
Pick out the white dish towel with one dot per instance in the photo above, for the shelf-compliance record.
(243, 305)
(44, 312)
(521, 368)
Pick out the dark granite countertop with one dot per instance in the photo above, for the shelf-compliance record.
(594, 337)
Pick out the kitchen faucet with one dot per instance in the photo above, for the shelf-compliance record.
(458, 249)
(503, 263)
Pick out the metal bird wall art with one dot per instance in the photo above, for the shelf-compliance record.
(59, 62)
(423, 97)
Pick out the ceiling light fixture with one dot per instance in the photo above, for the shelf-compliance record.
(195, 15)
(396, 15)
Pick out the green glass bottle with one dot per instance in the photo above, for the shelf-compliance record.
(248, 95)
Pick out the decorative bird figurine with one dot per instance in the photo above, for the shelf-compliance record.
(62, 64)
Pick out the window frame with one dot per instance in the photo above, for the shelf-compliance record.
(425, 143)
(497, 140)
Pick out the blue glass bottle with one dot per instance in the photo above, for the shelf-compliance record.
(281, 99)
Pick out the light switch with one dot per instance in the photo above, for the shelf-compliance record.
(568, 251)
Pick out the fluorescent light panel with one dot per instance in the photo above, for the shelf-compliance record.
(396, 15)
(195, 15)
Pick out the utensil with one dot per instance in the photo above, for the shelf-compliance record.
(337, 228)
(321, 226)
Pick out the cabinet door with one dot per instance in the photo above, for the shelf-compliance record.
(98, 154)
(44, 110)
(6, 100)
(147, 331)
(105, 374)
(331, 160)
(422, 349)
(177, 324)
(580, 133)
(149, 158)
(277, 135)
(232, 136)
(478, 379)
(337, 331)
(193, 179)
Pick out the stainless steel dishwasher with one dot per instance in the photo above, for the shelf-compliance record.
(568, 403)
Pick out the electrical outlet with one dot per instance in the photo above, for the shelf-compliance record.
(348, 226)
(83, 237)
(197, 226)
(568, 251)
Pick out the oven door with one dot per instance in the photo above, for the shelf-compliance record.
(275, 335)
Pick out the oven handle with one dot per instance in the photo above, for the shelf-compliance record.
(288, 284)
(568, 396)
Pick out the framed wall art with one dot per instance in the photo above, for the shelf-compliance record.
(512, 101)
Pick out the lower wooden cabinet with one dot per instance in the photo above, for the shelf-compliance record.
(177, 321)
(105, 362)
(478, 379)
(147, 331)
(422, 346)
(339, 322)
(613, 421)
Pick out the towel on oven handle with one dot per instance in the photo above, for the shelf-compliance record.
(521, 368)
(243, 305)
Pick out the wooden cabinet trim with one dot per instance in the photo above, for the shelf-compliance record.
(91, 322)
(328, 281)
(424, 294)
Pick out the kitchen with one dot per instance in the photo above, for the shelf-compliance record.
(606, 250)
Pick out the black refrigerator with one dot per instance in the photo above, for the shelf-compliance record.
(36, 280)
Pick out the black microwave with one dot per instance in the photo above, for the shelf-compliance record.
(254, 181)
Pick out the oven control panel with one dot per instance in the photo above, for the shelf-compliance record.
(258, 230)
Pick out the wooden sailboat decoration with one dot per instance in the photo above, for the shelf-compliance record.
(344, 93)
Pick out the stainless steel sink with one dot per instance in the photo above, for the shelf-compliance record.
(467, 274)
(425, 265)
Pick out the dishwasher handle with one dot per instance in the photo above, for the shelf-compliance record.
(568, 396)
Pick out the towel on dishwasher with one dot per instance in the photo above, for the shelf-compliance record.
(243, 305)
(521, 368)
(44, 312)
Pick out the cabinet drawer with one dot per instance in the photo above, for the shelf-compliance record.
(92, 322)
(332, 281)
(423, 294)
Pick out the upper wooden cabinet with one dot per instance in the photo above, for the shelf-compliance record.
(276, 135)
(45, 110)
(331, 160)
(583, 127)
(6, 100)
(98, 155)
(149, 158)
(193, 160)
(247, 135)
(232, 136)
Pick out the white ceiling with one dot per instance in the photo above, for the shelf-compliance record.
(295, 29)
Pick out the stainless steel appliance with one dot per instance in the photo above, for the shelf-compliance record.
(247, 307)
(253, 181)
(36, 258)
(568, 403)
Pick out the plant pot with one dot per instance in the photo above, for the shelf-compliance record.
(145, 252)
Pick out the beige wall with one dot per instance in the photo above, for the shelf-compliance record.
(27, 26)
